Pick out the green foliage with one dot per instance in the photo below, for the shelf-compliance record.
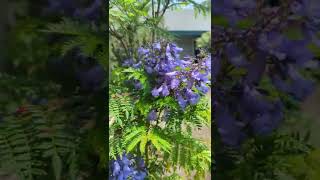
(143, 136)
(120, 115)
(169, 141)
(17, 145)
(29, 140)
(294, 34)
(245, 23)
(220, 21)
(268, 157)
(41, 142)
(190, 154)
(314, 49)
(120, 107)
(35, 48)
(204, 41)
(86, 37)
(58, 140)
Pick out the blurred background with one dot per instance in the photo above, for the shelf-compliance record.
(52, 94)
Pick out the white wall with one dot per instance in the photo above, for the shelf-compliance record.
(185, 20)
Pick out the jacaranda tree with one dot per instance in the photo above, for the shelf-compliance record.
(156, 97)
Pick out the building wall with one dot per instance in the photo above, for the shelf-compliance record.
(185, 20)
(187, 26)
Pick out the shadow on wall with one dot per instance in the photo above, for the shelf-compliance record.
(188, 46)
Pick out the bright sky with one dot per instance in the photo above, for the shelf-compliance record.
(198, 1)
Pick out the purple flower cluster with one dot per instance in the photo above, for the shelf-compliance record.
(152, 115)
(233, 10)
(185, 79)
(91, 79)
(127, 167)
(275, 46)
(75, 9)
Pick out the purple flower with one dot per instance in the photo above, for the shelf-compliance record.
(174, 83)
(307, 8)
(234, 55)
(140, 176)
(208, 62)
(92, 12)
(297, 8)
(142, 51)
(124, 170)
(267, 50)
(128, 63)
(176, 49)
(252, 97)
(311, 35)
(194, 99)
(121, 176)
(182, 102)
(137, 65)
(273, 43)
(298, 86)
(202, 88)
(264, 124)
(165, 91)
(157, 46)
(63, 7)
(137, 85)
(173, 73)
(156, 91)
(149, 69)
(125, 160)
(116, 168)
(92, 79)
(196, 75)
(233, 10)
(229, 129)
(152, 115)
(204, 77)
(256, 68)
